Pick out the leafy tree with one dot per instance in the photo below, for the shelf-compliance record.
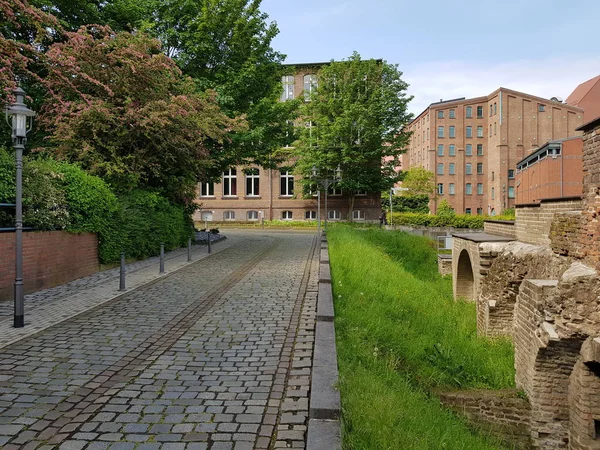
(124, 111)
(357, 116)
(445, 210)
(406, 203)
(225, 45)
(419, 181)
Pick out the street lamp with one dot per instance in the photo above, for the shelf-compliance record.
(324, 182)
(21, 119)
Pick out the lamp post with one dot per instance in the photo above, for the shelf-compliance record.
(324, 182)
(20, 122)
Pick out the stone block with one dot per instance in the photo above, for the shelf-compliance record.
(324, 434)
(324, 273)
(325, 311)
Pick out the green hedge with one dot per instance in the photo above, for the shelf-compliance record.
(456, 221)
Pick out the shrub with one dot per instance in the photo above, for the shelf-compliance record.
(440, 220)
(406, 203)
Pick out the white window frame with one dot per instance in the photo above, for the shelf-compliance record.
(252, 215)
(451, 189)
(287, 215)
(451, 150)
(230, 183)
(207, 189)
(253, 182)
(310, 215)
(334, 190)
(451, 169)
(440, 188)
(469, 150)
(468, 189)
(357, 214)
(479, 188)
(469, 112)
(468, 169)
(286, 183)
(287, 82)
(310, 85)
(334, 214)
(361, 193)
(480, 131)
(228, 215)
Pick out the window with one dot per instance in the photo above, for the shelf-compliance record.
(479, 149)
(440, 188)
(469, 112)
(440, 114)
(252, 215)
(490, 130)
(468, 211)
(288, 87)
(440, 132)
(495, 128)
(229, 215)
(451, 189)
(451, 169)
(493, 175)
(334, 215)
(252, 181)
(286, 215)
(480, 112)
(479, 188)
(469, 132)
(358, 215)
(491, 109)
(310, 85)
(469, 150)
(230, 183)
(361, 193)
(207, 189)
(493, 193)
(479, 132)
(310, 215)
(511, 174)
(495, 109)
(452, 114)
(286, 183)
(452, 150)
(441, 150)
(479, 168)
(334, 189)
(468, 189)
(451, 131)
(511, 192)
(541, 108)
(440, 169)
(479, 211)
(469, 169)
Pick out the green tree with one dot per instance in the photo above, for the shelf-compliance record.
(357, 119)
(419, 181)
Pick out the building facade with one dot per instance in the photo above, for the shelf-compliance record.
(251, 193)
(473, 145)
(587, 96)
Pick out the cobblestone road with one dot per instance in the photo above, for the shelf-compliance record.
(214, 356)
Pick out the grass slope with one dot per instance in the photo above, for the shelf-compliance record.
(401, 335)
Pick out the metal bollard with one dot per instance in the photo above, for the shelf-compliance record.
(122, 273)
(189, 249)
(209, 239)
(162, 258)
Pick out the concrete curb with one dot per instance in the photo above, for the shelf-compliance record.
(324, 428)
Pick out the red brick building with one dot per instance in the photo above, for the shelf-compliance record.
(587, 96)
(249, 193)
(473, 145)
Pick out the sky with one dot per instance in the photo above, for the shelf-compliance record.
(454, 48)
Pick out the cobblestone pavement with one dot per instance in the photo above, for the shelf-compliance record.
(214, 356)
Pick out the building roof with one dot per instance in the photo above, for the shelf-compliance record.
(590, 125)
(581, 91)
(326, 63)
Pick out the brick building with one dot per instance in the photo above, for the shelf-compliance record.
(587, 96)
(249, 193)
(473, 145)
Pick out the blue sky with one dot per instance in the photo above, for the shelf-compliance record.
(448, 49)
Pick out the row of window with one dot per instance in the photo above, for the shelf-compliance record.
(452, 150)
(469, 111)
(469, 189)
(452, 132)
(468, 169)
(286, 185)
(289, 215)
(310, 84)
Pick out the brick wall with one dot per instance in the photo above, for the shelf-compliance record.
(444, 265)
(533, 222)
(584, 404)
(565, 234)
(590, 236)
(500, 227)
(500, 413)
(49, 258)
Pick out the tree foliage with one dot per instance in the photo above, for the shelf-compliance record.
(123, 110)
(357, 117)
(419, 181)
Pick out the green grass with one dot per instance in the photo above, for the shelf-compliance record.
(400, 337)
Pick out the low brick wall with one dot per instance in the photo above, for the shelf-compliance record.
(533, 222)
(445, 264)
(49, 258)
(500, 227)
(501, 413)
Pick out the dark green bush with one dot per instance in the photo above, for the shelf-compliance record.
(446, 220)
(406, 203)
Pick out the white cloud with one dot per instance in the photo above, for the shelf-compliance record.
(557, 77)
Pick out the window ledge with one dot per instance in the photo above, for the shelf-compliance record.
(252, 197)
(286, 196)
(230, 197)
(208, 197)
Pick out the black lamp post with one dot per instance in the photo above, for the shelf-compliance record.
(20, 122)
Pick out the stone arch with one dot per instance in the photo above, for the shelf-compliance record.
(465, 280)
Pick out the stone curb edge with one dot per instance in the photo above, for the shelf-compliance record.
(324, 428)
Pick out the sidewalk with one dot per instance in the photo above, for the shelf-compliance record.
(49, 307)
